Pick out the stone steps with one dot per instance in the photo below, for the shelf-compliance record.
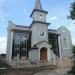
(28, 70)
(27, 63)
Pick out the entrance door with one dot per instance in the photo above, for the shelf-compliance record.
(43, 54)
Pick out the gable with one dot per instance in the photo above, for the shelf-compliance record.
(43, 44)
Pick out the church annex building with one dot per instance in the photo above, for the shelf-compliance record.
(36, 42)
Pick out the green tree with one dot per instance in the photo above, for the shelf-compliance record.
(73, 68)
(72, 16)
(72, 11)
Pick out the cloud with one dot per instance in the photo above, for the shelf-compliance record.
(3, 44)
(73, 41)
(53, 18)
(71, 28)
(1, 10)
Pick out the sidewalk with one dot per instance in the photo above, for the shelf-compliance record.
(61, 71)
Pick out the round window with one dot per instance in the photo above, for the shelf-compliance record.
(42, 34)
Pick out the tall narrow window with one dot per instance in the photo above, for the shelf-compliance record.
(65, 43)
(17, 39)
(24, 45)
(41, 17)
(16, 44)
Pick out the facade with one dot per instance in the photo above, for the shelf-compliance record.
(36, 42)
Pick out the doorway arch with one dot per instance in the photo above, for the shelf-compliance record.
(43, 54)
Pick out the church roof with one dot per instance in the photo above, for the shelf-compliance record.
(52, 31)
(38, 5)
(28, 29)
(39, 22)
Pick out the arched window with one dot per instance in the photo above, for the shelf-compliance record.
(65, 42)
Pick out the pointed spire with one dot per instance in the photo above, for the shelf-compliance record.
(38, 5)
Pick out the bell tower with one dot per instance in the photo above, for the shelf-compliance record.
(38, 14)
(39, 25)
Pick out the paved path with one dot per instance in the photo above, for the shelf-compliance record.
(61, 71)
(55, 72)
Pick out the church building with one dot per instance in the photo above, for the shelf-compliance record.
(36, 42)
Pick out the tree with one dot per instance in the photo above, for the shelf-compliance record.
(73, 68)
(72, 11)
(72, 16)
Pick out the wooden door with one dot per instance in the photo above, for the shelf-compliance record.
(43, 54)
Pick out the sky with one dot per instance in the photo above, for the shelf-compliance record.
(18, 11)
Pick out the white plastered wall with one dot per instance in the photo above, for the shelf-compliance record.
(65, 33)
